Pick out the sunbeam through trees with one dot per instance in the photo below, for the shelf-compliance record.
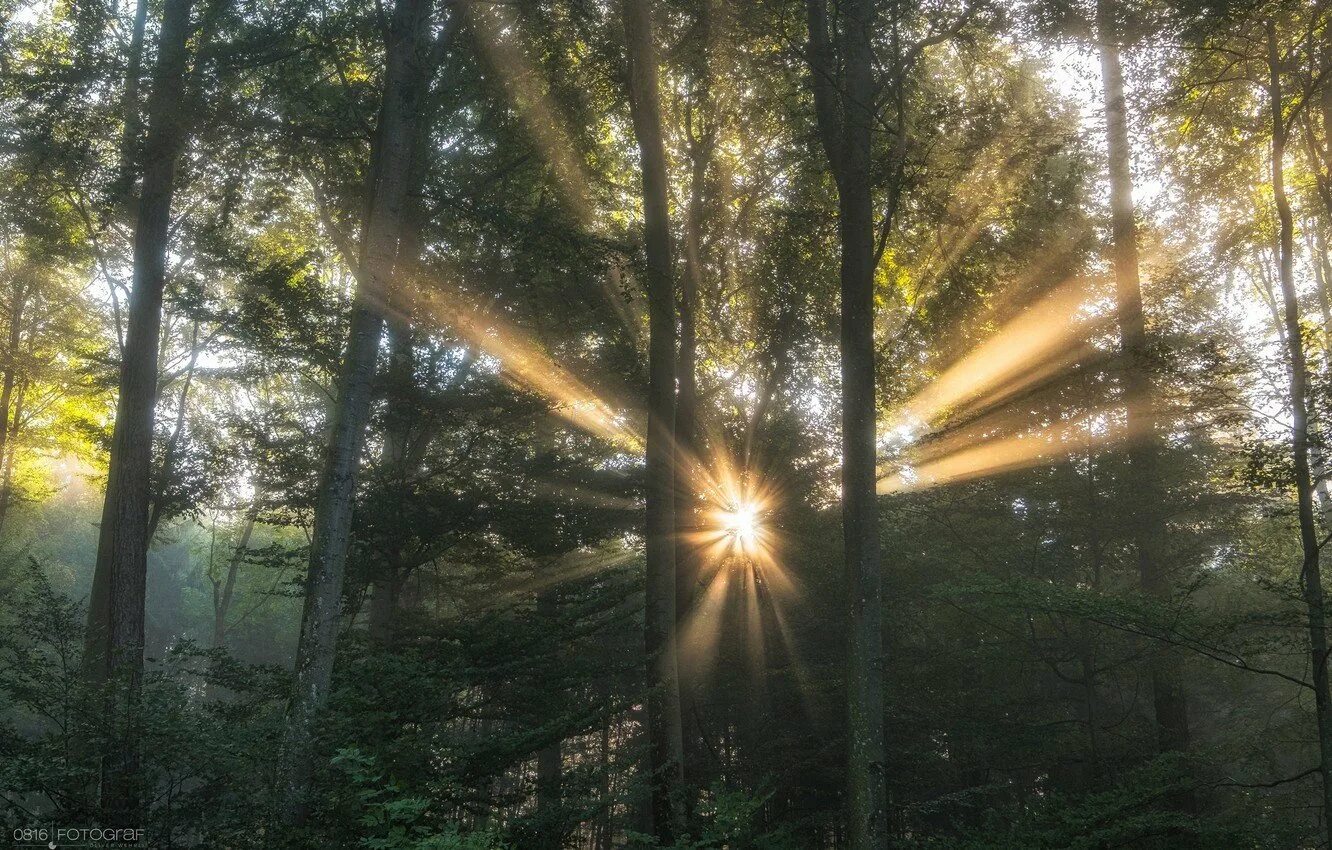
(469, 425)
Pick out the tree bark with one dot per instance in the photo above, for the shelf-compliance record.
(845, 119)
(665, 736)
(1310, 569)
(116, 604)
(1145, 493)
(686, 410)
(387, 191)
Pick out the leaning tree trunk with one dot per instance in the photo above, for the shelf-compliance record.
(845, 120)
(158, 504)
(224, 592)
(114, 652)
(665, 737)
(1310, 569)
(1145, 494)
(387, 191)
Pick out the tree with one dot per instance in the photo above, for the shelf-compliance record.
(665, 735)
(1144, 490)
(1310, 568)
(115, 612)
(846, 121)
(848, 102)
(407, 51)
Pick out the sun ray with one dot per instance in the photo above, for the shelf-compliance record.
(571, 567)
(499, 39)
(1003, 452)
(522, 362)
(702, 629)
(1042, 340)
(979, 199)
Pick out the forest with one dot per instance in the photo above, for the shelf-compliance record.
(695, 424)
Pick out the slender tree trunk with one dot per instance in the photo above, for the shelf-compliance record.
(7, 480)
(158, 506)
(845, 119)
(384, 601)
(602, 826)
(686, 410)
(550, 760)
(549, 766)
(1145, 490)
(1317, 451)
(1325, 103)
(665, 736)
(1310, 570)
(390, 167)
(116, 604)
(1089, 638)
(20, 297)
(1318, 259)
(397, 433)
(222, 594)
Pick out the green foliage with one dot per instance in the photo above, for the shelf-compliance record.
(391, 821)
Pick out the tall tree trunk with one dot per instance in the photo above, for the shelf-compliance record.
(845, 120)
(387, 191)
(116, 603)
(665, 737)
(129, 106)
(7, 479)
(1145, 492)
(16, 307)
(399, 404)
(1088, 637)
(686, 410)
(700, 128)
(1310, 570)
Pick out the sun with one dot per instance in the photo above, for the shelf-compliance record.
(742, 524)
(734, 513)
